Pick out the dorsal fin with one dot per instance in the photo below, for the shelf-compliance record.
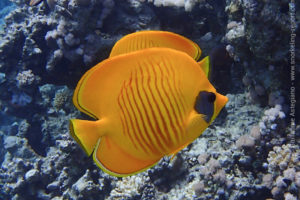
(147, 39)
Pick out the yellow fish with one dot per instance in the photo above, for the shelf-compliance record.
(147, 39)
(147, 104)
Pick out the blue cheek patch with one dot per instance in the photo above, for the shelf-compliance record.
(205, 104)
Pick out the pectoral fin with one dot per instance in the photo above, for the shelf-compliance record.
(205, 65)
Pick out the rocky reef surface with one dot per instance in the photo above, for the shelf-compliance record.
(5, 7)
(251, 151)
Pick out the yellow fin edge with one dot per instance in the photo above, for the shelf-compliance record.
(102, 167)
(86, 133)
(205, 65)
(73, 134)
(198, 51)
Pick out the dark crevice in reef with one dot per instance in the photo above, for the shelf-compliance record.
(209, 21)
(65, 71)
(35, 137)
(262, 193)
(166, 176)
(284, 9)
(14, 50)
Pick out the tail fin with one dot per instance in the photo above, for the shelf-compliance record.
(86, 133)
(205, 65)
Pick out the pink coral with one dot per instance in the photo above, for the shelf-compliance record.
(245, 141)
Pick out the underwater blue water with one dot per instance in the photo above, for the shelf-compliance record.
(5, 7)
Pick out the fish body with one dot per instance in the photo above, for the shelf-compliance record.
(147, 104)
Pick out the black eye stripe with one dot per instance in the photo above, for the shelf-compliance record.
(205, 104)
(211, 97)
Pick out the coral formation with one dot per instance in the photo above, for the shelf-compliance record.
(283, 164)
(25, 78)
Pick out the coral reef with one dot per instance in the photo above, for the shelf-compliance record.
(248, 152)
(5, 7)
(283, 168)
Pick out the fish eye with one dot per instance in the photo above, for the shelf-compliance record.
(211, 97)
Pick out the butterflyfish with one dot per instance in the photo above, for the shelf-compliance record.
(147, 104)
(153, 38)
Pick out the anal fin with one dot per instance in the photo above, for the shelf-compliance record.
(115, 161)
